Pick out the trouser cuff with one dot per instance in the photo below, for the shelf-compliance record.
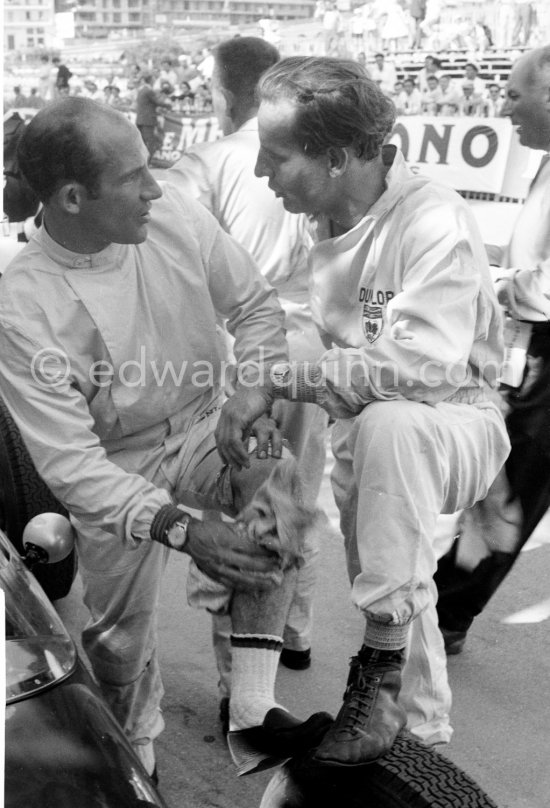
(385, 637)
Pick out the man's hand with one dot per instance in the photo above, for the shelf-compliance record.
(269, 438)
(226, 554)
(234, 427)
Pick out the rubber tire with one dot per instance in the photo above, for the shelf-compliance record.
(409, 776)
(24, 494)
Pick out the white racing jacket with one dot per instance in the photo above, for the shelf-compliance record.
(100, 352)
(407, 300)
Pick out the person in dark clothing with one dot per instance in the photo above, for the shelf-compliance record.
(63, 76)
(148, 100)
(493, 532)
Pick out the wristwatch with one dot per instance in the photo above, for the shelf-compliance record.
(169, 526)
(281, 375)
(176, 534)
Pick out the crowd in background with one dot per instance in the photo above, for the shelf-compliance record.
(397, 25)
(183, 85)
(431, 91)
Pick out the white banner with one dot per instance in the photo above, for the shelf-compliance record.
(468, 154)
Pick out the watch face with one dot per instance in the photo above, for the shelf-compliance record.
(177, 535)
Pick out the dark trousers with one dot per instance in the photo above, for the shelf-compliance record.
(149, 138)
(464, 594)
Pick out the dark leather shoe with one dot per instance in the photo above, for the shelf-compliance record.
(280, 737)
(370, 717)
(296, 660)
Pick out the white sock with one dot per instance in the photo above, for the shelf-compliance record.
(255, 658)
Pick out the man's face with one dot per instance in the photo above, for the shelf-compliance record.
(528, 104)
(444, 82)
(470, 72)
(119, 212)
(302, 182)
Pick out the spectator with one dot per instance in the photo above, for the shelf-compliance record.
(495, 101)
(390, 245)
(19, 98)
(471, 77)
(431, 98)
(383, 73)
(91, 90)
(470, 104)
(166, 74)
(148, 102)
(396, 96)
(357, 31)
(432, 67)
(221, 176)
(417, 11)
(449, 101)
(524, 18)
(492, 534)
(45, 86)
(35, 100)
(393, 27)
(332, 26)
(410, 100)
(63, 76)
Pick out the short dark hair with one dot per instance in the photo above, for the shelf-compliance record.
(56, 146)
(338, 104)
(240, 63)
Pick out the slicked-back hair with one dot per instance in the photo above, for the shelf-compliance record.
(57, 146)
(241, 61)
(337, 104)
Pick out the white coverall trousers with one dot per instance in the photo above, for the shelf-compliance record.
(122, 585)
(398, 465)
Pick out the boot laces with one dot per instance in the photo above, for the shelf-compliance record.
(360, 694)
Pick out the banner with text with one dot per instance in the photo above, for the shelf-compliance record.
(465, 153)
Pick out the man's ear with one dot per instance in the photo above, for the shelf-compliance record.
(70, 197)
(337, 160)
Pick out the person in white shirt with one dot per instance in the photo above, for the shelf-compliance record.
(431, 97)
(494, 102)
(449, 96)
(383, 73)
(432, 67)
(492, 533)
(221, 176)
(410, 100)
(472, 77)
(402, 289)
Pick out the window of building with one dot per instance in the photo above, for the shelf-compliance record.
(134, 16)
(116, 16)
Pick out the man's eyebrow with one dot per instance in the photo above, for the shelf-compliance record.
(132, 171)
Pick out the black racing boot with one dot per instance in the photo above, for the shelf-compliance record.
(370, 717)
